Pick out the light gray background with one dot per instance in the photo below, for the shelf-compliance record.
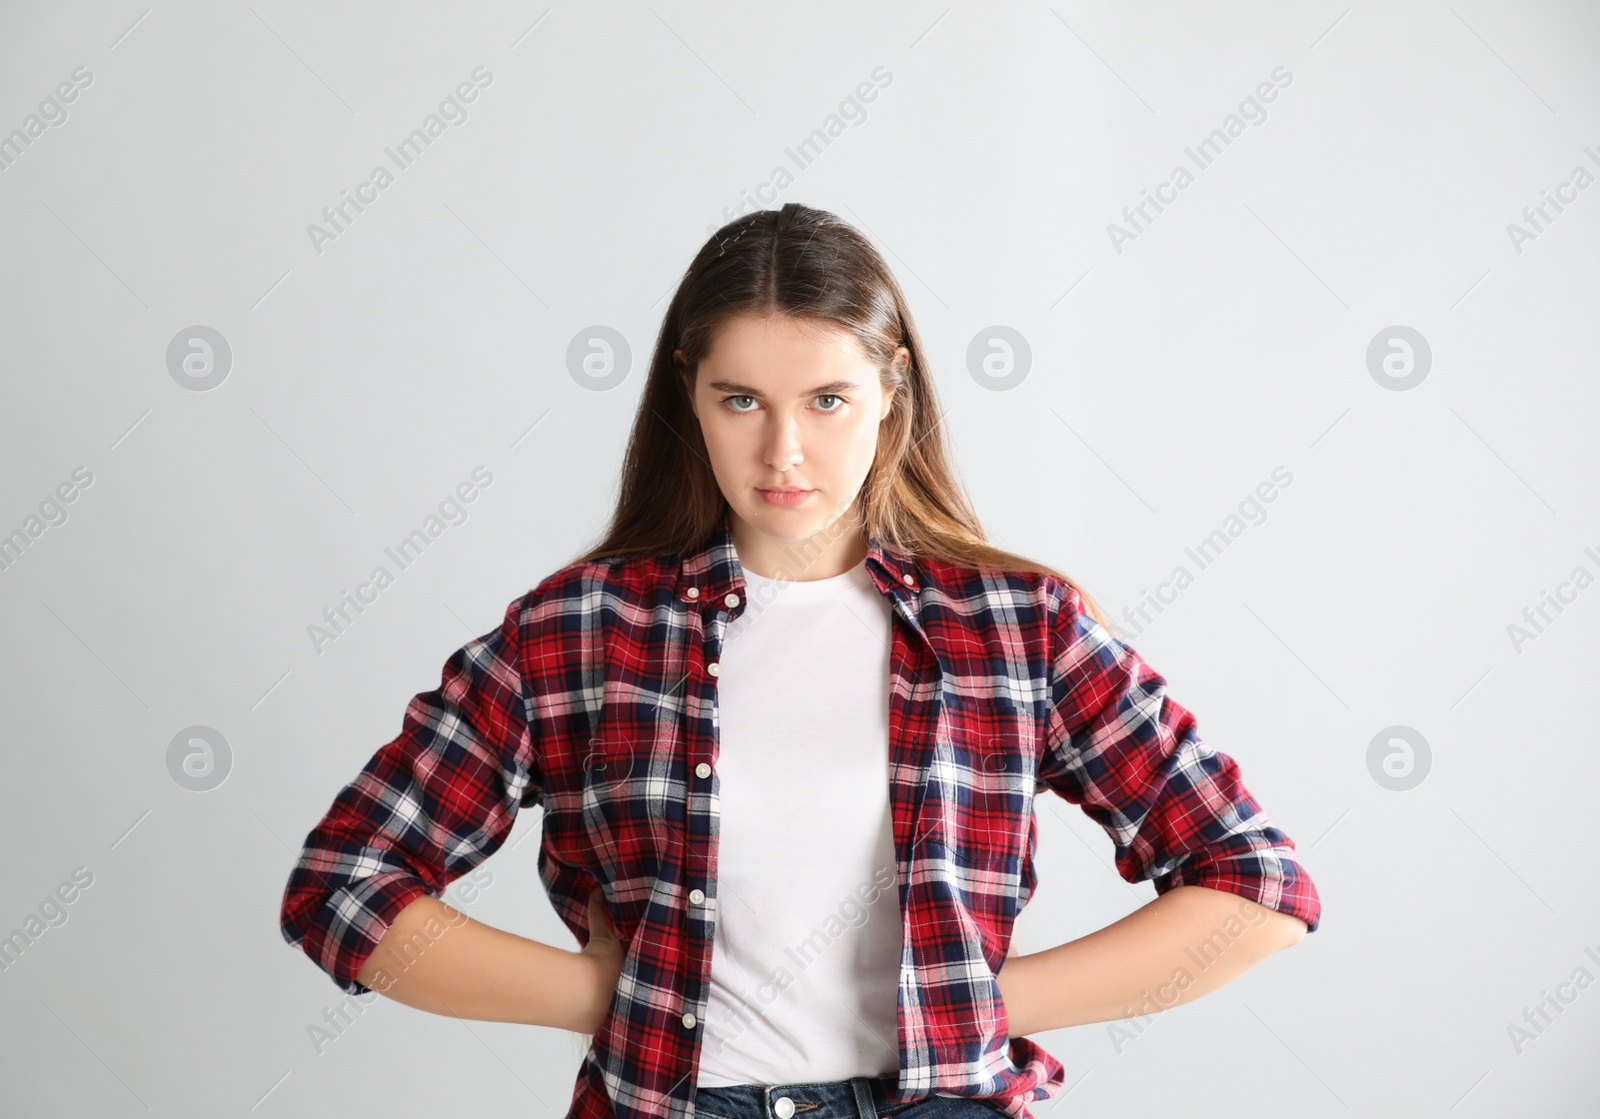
(1168, 380)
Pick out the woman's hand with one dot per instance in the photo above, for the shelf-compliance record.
(605, 954)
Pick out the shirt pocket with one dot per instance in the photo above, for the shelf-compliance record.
(631, 806)
(990, 843)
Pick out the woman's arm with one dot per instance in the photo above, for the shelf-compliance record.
(436, 958)
(1231, 889)
(1184, 944)
(363, 899)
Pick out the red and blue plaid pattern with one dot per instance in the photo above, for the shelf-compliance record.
(595, 697)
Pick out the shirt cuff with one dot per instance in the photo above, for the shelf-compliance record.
(1287, 890)
(354, 920)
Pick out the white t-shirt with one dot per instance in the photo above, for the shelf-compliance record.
(805, 964)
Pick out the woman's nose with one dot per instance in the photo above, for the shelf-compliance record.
(783, 444)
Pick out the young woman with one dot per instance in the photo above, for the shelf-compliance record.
(787, 722)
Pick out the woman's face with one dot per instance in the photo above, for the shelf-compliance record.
(790, 404)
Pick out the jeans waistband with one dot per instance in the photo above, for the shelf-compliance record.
(860, 1097)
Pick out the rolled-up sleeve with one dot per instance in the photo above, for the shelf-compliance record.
(1131, 757)
(428, 806)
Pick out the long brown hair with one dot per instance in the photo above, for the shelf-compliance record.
(807, 264)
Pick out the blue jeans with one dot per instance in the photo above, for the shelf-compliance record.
(860, 1097)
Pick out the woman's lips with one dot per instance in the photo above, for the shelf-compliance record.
(784, 497)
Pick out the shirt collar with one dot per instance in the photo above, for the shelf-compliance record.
(711, 573)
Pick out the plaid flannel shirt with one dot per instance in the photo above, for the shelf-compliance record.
(596, 697)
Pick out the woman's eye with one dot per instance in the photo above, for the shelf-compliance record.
(733, 403)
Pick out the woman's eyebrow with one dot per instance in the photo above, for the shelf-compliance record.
(747, 390)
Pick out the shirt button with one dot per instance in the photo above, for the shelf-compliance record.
(909, 580)
(714, 669)
(702, 770)
(693, 592)
(697, 896)
(783, 1107)
(689, 1021)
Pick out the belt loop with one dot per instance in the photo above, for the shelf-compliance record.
(865, 1108)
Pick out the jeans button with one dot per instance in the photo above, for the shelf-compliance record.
(783, 1107)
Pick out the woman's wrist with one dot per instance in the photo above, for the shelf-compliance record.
(594, 985)
(1015, 987)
